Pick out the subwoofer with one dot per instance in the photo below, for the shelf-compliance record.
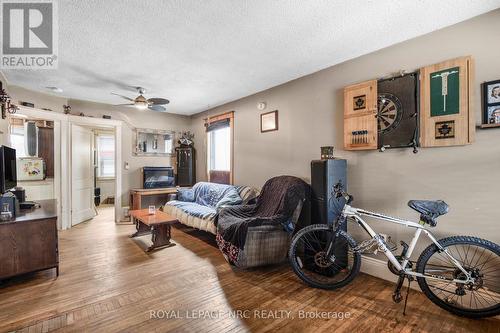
(325, 208)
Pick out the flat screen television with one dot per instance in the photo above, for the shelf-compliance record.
(8, 171)
(158, 177)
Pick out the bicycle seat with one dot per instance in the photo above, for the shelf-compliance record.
(429, 209)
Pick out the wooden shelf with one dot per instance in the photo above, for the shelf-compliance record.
(489, 125)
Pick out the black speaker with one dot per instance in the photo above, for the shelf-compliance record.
(325, 208)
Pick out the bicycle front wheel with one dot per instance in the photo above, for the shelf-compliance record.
(308, 258)
(480, 258)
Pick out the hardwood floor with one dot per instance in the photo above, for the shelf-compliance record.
(108, 284)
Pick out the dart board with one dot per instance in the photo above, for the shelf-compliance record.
(390, 112)
(397, 108)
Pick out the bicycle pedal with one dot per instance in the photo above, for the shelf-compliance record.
(397, 298)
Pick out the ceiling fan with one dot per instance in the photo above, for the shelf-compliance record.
(143, 103)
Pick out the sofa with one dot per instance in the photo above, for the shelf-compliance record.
(198, 207)
(269, 218)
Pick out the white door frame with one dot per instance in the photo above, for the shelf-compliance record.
(62, 162)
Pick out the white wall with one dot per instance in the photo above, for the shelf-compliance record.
(38, 189)
(134, 118)
(130, 116)
(107, 187)
(4, 124)
(41, 101)
(311, 116)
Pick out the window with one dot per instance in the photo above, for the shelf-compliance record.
(17, 139)
(105, 144)
(168, 141)
(219, 148)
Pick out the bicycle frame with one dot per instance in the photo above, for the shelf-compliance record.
(356, 214)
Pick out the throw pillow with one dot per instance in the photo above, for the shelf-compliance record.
(186, 195)
(231, 197)
(210, 199)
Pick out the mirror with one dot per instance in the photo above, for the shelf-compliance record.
(152, 142)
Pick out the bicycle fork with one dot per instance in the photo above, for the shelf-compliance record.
(331, 242)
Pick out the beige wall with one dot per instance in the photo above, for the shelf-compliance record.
(41, 101)
(311, 115)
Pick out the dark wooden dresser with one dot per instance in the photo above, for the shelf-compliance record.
(29, 242)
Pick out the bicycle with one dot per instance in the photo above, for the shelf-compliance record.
(460, 274)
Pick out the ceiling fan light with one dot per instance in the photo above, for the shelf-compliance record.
(141, 105)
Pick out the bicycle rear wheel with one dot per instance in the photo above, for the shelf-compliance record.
(480, 258)
(307, 256)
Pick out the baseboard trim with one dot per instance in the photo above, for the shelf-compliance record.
(378, 268)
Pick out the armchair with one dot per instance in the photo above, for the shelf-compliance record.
(259, 234)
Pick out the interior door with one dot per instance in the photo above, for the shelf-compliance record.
(82, 175)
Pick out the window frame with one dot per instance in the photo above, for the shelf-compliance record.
(98, 159)
(12, 126)
(210, 120)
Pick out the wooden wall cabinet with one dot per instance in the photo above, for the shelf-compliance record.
(445, 112)
(446, 97)
(360, 116)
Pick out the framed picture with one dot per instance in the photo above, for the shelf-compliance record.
(269, 121)
(491, 102)
(493, 114)
(445, 92)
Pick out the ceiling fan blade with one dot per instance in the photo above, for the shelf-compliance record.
(158, 101)
(157, 108)
(127, 98)
(128, 104)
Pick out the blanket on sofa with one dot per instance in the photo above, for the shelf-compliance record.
(275, 205)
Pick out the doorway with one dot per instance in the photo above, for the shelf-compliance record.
(104, 170)
(33, 140)
(93, 171)
(62, 157)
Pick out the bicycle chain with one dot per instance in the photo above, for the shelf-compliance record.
(367, 244)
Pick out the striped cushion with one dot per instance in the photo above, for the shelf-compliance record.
(247, 193)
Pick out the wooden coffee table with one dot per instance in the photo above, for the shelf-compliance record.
(157, 224)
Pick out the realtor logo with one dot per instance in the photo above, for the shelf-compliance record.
(29, 35)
